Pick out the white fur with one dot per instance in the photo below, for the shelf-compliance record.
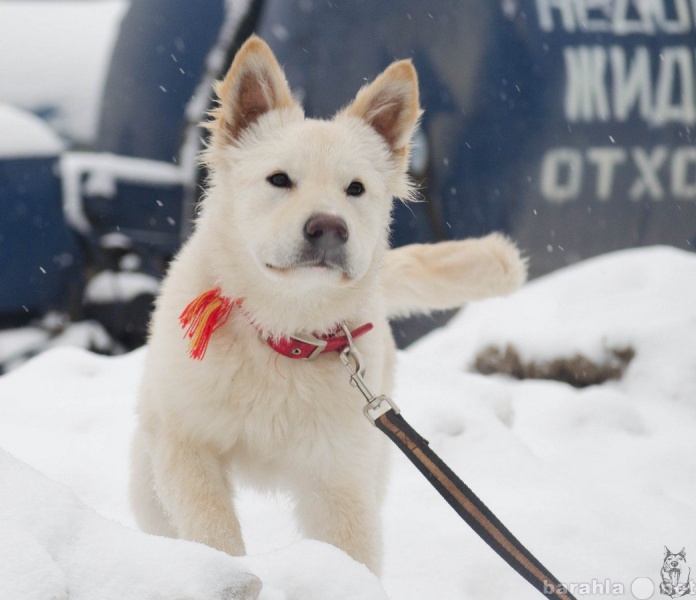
(245, 412)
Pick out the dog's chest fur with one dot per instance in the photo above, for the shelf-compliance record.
(271, 413)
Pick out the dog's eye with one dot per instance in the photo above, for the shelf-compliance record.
(355, 189)
(280, 180)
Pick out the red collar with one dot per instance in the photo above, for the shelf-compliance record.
(310, 346)
(211, 309)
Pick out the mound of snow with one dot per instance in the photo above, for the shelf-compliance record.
(25, 135)
(111, 286)
(644, 299)
(70, 415)
(52, 546)
(595, 482)
(18, 345)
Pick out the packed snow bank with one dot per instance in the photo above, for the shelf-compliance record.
(595, 482)
(112, 286)
(643, 299)
(69, 414)
(25, 135)
(54, 57)
(52, 546)
(17, 345)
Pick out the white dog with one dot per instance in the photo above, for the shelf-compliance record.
(291, 242)
(675, 574)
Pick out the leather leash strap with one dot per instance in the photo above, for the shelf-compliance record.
(382, 412)
(468, 506)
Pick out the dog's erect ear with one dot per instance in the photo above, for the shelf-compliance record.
(253, 86)
(390, 105)
(682, 553)
(667, 552)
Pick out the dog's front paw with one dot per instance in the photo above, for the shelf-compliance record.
(509, 270)
(426, 277)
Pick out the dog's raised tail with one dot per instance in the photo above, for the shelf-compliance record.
(420, 278)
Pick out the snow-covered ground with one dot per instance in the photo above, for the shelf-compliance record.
(25, 135)
(594, 481)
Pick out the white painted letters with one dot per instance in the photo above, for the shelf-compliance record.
(561, 175)
(636, 81)
(606, 160)
(684, 173)
(604, 84)
(620, 17)
(631, 83)
(547, 8)
(586, 92)
(646, 173)
(674, 96)
(649, 164)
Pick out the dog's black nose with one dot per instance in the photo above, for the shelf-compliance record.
(328, 230)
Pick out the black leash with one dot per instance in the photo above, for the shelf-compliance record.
(383, 413)
(468, 506)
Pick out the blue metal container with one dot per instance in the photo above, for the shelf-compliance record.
(41, 263)
(566, 124)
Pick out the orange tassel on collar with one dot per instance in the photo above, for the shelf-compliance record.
(202, 317)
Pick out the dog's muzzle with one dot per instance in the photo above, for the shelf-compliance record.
(325, 242)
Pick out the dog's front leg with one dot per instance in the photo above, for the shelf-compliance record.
(346, 516)
(194, 490)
